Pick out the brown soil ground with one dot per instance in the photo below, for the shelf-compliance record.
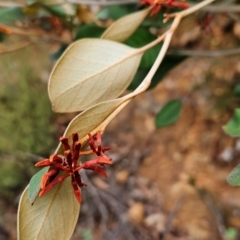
(190, 160)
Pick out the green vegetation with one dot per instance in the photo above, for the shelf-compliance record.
(25, 113)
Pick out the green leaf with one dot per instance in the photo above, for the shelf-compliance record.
(140, 38)
(169, 114)
(231, 234)
(124, 27)
(155, 21)
(234, 176)
(62, 10)
(8, 15)
(237, 90)
(232, 127)
(89, 31)
(2, 37)
(116, 11)
(168, 63)
(34, 185)
(53, 216)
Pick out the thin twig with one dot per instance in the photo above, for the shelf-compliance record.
(167, 39)
(202, 53)
(189, 11)
(172, 215)
(18, 4)
(234, 16)
(217, 8)
(15, 47)
(214, 210)
(223, 8)
(147, 80)
(36, 33)
(96, 198)
(103, 2)
(168, 36)
(11, 4)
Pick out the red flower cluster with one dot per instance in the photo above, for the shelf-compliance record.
(157, 4)
(69, 164)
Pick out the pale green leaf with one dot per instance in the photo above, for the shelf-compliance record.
(234, 177)
(94, 119)
(91, 71)
(233, 126)
(89, 120)
(169, 113)
(51, 217)
(123, 28)
(34, 184)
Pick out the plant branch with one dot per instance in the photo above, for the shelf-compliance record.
(15, 47)
(223, 8)
(189, 11)
(172, 215)
(177, 19)
(210, 53)
(11, 4)
(37, 33)
(103, 2)
(195, 8)
(167, 39)
(218, 8)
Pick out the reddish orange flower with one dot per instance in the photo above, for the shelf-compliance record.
(157, 4)
(68, 163)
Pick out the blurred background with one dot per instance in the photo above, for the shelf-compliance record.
(171, 155)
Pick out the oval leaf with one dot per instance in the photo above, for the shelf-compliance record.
(62, 10)
(90, 120)
(234, 177)
(233, 126)
(95, 119)
(52, 216)
(169, 113)
(115, 11)
(34, 184)
(91, 71)
(8, 15)
(123, 28)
